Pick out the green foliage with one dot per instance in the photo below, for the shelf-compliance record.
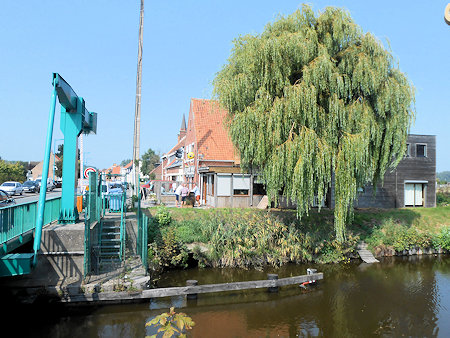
(172, 324)
(250, 238)
(172, 252)
(149, 159)
(311, 96)
(163, 216)
(12, 172)
(442, 239)
(442, 198)
(334, 251)
(167, 251)
(399, 236)
(255, 238)
(190, 231)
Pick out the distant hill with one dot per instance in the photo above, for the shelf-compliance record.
(443, 176)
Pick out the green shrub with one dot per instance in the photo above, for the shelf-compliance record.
(442, 239)
(333, 251)
(190, 231)
(167, 252)
(442, 198)
(163, 216)
(172, 253)
(161, 219)
(398, 236)
(245, 239)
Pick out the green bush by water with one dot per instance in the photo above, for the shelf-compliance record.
(253, 238)
(166, 250)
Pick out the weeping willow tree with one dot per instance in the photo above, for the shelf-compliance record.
(312, 96)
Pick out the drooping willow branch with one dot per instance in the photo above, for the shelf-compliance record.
(312, 97)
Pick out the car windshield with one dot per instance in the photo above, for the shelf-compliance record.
(7, 184)
(27, 183)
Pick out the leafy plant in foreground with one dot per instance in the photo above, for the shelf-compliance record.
(172, 324)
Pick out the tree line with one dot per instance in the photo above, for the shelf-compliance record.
(13, 171)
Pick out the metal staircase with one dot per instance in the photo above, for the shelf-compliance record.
(110, 249)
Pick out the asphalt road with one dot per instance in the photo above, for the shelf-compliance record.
(31, 196)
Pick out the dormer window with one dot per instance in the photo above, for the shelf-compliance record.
(421, 150)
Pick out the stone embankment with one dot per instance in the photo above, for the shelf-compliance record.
(389, 252)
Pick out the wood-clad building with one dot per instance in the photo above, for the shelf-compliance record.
(411, 184)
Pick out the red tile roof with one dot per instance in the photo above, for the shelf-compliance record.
(206, 120)
(115, 170)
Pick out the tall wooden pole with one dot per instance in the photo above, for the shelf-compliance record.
(137, 115)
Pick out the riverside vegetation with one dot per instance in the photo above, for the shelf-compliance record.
(251, 238)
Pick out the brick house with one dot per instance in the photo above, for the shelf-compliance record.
(215, 165)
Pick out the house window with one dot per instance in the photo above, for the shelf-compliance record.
(408, 150)
(223, 184)
(414, 194)
(240, 192)
(421, 150)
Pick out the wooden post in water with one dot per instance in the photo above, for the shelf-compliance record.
(191, 282)
(272, 276)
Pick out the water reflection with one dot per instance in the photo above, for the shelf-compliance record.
(398, 296)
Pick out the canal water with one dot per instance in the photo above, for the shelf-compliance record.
(400, 296)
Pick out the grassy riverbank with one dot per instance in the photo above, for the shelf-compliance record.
(253, 238)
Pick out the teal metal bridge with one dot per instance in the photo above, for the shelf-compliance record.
(103, 243)
(17, 227)
(23, 223)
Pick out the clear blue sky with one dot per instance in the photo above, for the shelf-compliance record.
(93, 45)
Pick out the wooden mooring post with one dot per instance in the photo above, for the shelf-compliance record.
(191, 282)
(272, 276)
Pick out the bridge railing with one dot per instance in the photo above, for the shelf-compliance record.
(20, 219)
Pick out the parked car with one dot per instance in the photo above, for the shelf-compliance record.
(50, 185)
(58, 184)
(12, 188)
(31, 186)
(5, 199)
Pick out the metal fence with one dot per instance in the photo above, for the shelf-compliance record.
(142, 237)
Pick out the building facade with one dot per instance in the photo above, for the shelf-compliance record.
(412, 183)
(204, 155)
